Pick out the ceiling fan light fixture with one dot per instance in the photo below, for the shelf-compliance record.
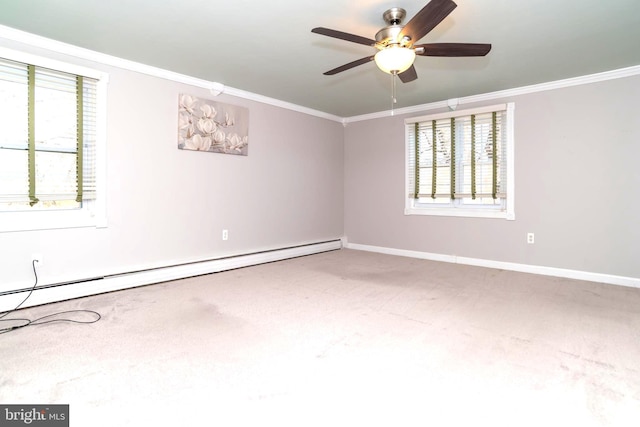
(395, 59)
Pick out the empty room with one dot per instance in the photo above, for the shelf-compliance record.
(341, 213)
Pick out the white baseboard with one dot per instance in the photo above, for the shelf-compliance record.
(523, 268)
(118, 282)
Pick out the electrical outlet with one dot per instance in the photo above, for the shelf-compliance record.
(225, 234)
(530, 238)
(38, 259)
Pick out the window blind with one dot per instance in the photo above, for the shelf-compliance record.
(460, 157)
(47, 142)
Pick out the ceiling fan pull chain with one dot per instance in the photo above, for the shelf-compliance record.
(393, 78)
(393, 91)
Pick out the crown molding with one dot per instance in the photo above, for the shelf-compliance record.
(101, 58)
(87, 54)
(282, 104)
(492, 96)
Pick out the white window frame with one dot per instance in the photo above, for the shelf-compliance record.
(414, 207)
(92, 214)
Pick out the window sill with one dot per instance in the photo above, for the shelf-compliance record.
(455, 212)
(32, 221)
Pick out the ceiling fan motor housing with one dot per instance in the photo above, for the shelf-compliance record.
(394, 16)
(389, 34)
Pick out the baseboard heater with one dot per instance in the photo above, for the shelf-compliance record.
(91, 286)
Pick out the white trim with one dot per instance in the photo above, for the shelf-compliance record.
(455, 114)
(93, 286)
(82, 53)
(511, 159)
(78, 52)
(491, 96)
(94, 213)
(282, 104)
(458, 212)
(44, 62)
(51, 219)
(610, 279)
(506, 212)
(100, 208)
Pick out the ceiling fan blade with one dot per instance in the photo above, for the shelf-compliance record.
(427, 19)
(343, 36)
(453, 49)
(409, 75)
(349, 66)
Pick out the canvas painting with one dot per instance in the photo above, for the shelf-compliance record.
(204, 125)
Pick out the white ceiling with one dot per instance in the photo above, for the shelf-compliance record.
(267, 47)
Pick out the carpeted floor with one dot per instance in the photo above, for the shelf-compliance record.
(343, 338)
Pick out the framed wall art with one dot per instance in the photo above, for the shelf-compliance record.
(205, 125)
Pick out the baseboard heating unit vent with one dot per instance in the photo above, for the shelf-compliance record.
(91, 286)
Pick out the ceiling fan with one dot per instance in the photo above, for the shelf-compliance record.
(395, 42)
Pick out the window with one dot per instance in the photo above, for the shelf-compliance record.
(51, 143)
(460, 163)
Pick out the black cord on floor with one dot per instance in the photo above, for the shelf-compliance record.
(40, 320)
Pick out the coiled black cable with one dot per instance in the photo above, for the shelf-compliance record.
(41, 320)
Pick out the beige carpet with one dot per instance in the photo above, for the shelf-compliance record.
(343, 338)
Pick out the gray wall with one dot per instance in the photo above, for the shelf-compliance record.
(309, 179)
(168, 206)
(576, 181)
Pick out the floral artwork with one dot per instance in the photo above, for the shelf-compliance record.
(204, 125)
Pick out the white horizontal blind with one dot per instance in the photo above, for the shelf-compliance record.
(14, 171)
(461, 158)
(47, 138)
